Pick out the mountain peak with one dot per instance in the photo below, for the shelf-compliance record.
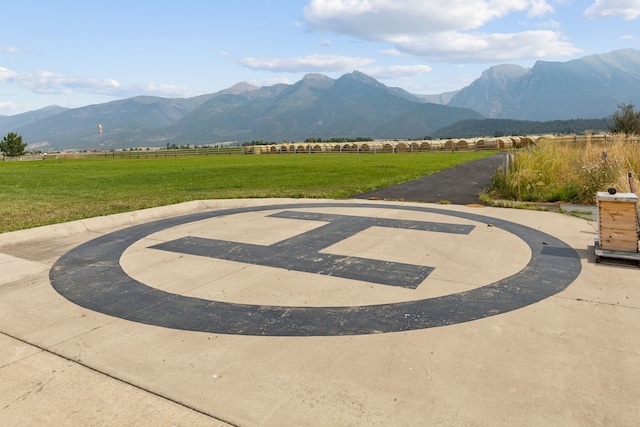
(239, 88)
(316, 76)
(588, 87)
(504, 70)
(627, 60)
(319, 81)
(362, 77)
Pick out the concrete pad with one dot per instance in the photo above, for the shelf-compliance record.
(570, 358)
(40, 388)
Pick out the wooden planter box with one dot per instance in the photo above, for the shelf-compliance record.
(618, 221)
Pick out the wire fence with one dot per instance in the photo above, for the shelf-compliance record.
(132, 154)
(369, 147)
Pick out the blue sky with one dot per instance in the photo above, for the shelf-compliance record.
(76, 53)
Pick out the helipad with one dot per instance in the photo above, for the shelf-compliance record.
(317, 312)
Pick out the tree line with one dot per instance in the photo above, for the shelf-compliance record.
(625, 120)
(311, 140)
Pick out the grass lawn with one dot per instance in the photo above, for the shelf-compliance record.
(45, 192)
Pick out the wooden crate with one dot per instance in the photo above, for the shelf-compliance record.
(618, 221)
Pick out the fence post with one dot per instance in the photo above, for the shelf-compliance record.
(508, 162)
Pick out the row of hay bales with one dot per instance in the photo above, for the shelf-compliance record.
(386, 146)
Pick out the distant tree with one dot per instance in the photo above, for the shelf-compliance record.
(12, 145)
(626, 120)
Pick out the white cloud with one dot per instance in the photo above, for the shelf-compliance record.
(626, 9)
(551, 25)
(310, 63)
(269, 81)
(396, 71)
(465, 47)
(7, 74)
(392, 52)
(156, 89)
(440, 29)
(6, 105)
(539, 8)
(46, 82)
(379, 19)
(8, 49)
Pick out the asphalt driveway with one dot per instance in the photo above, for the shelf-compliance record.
(460, 185)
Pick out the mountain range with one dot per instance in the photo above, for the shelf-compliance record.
(585, 88)
(350, 106)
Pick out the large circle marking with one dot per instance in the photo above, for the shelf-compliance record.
(90, 275)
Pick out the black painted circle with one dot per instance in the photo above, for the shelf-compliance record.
(90, 275)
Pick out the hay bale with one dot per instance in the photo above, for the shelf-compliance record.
(475, 143)
(320, 148)
(525, 141)
(488, 144)
(402, 147)
(504, 143)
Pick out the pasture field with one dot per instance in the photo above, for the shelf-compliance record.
(37, 193)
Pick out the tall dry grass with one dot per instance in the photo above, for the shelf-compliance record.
(569, 169)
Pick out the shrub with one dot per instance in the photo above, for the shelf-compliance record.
(626, 120)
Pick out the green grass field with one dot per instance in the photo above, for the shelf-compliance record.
(45, 192)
